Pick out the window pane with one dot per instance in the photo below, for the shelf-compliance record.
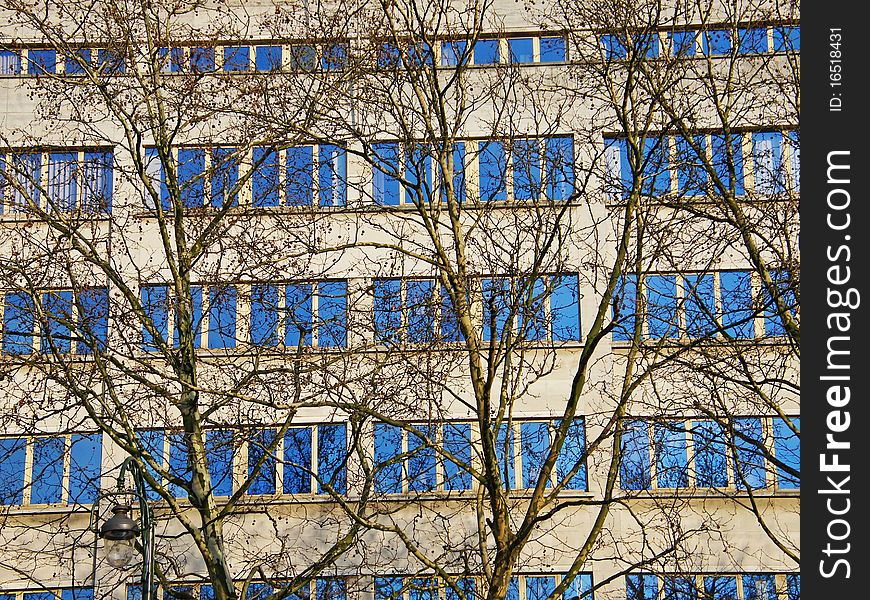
(195, 318)
(646, 44)
(539, 588)
(787, 446)
(625, 303)
(110, 61)
(420, 55)
(303, 58)
(386, 168)
(179, 464)
(774, 323)
(700, 305)
(724, 165)
(716, 42)
(265, 321)
(458, 160)
(331, 457)
(559, 163)
(418, 174)
(453, 51)
(661, 306)
(504, 453)
(787, 39)
(618, 178)
(691, 174)
(299, 315)
(759, 587)
(332, 314)
(793, 140)
(573, 452)
(332, 175)
(671, 458)
(265, 178)
(330, 588)
(237, 58)
(708, 440)
(421, 460)
(457, 441)
(682, 43)
(553, 49)
(58, 316)
(268, 58)
(93, 320)
(62, 186)
(42, 62)
(300, 175)
(12, 454)
(767, 157)
(224, 177)
(297, 460)
(535, 446)
(679, 588)
(261, 447)
(466, 585)
(222, 317)
(749, 446)
(532, 310)
(28, 170)
(97, 182)
(752, 41)
(334, 56)
(450, 331)
(520, 50)
(486, 52)
(388, 445)
(18, 321)
(219, 452)
(388, 588)
(721, 588)
(634, 468)
(580, 588)
(10, 62)
(419, 304)
(156, 180)
(202, 60)
(737, 312)
(191, 185)
(655, 168)
(493, 166)
(615, 47)
(496, 303)
(86, 454)
(793, 583)
(565, 308)
(527, 169)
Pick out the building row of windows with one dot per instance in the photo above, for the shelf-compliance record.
(708, 42)
(74, 181)
(728, 304)
(50, 470)
(748, 586)
(743, 453)
(78, 593)
(671, 164)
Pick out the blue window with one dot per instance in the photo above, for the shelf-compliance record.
(386, 171)
(28, 168)
(729, 170)
(237, 58)
(793, 585)
(219, 453)
(419, 311)
(10, 62)
(716, 42)
(450, 330)
(531, 313)
(493, 166)
(224, 177)
(261, 461)
(388, 588)
(12, 455)
(418, 174)
(540, 587)
(222, 317)
(634, 468)
(191, 182)
(486, 52)
(93, 325)
(300, 322)
(157, 179)
(496, 306)
(504, 455)
(303, 58)
(559, 166)
(737, 309)
(527, 169)
(86, 455)
(453, 52)
(759, 587)
(297, 460)
(614, 46)
(708, 441)
(683, 43)
(420, 55)
(47, 486)
(18, 322)
(202, 60)
(110, 62)
(264, 180)
(334, 57)
(646, 44)
(97, 182)
(680, 588)
(793, 141)
(300, 175)
(752, 40)
(332, 314)
(655, 168)
(521, 50)
(457, 442)
(749, 447)
(553, 49)
(787, 38)
(268, 58)
(661, 306)
(641, 587)
(534, 448)
(672, 462)
(619, 178)
(388, 462)
(171, 59)
(62, 185)
(466, 585)
(332, 458)
(774, 322)
(580, 588)
(332, 175)
(58, 315)
(265, 316)
(458, 160)
(691, 173)
(73, 63)
(179, 464)
(700, 305)
(625, 307)
(768, 161)
(720, 587)
(330, 588)
(573, 456)
(787, 448)
(421, 459)
(195, 319)
(41, 62)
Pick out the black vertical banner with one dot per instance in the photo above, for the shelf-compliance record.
(835, 462)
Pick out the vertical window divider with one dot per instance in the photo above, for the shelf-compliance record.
(246, 192)
(282, 315)
(281, 155)
(689, 426)
(768, 36)
(315, 311)
(650, 431)
(315, 189)
(438, 441)
(536, 49)
(756, 293)
(403, 450)
(508, 145)
(205, 316)
(206, 177)
(516, 433)
(680, 304)
(472, 170)
(278, 453)
(244, 293)
(717, 302)
(27, 480)
(315, 460)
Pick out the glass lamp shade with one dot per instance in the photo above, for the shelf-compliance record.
(120, 553)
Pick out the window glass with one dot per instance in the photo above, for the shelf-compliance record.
(531, 312)
(737, 309)
(110, 62)
(787, 39)
(58, 316)
(268, 58)
(521, 50)
(332, 314)
(201, 60)
(496, 305)
(41, 62)
(759, 587)
(332, 175)
(47, 485)
(680, 588)
(86, 455)
(297, 460)
(18, 322)
(721, 587)
(671, 458)
(219, 453)
(62, 184)
(618, 181)
(300, 175)
(261, 455)
(767, 159)
(752, 40)
(793, 585)
(388, 310)
(787, 447)
(265, 321)
(468, 588)
(683, 43)
(655, 168)
(699, 305)
(452, 51)
(97, 182)
(527, 169)
(10, 62)
(641, 587)
(540, 588)
(224, 177)
(646, 44)
(331, 457)
(334, 57)
(625, 303)
(724, 166)
(457, 441)
(28, 169)
(191, 184)
(418, 174)
(93, 323)
(419, 305)
(572, 454)
(179, 464)
(749, 447)
(303, 57)
(386, 183)
(388, 588)
(330, 588)
(300, 322)
(458, 159)
(421, 459)
(565, 307)
(553, 49)
(662, 306)
(237, 58)
(420, 55)
(634, 468)
(580, 588)
(559, 164)
(222, 317)
(774, 323)
(716, 42)
(195, 318)
(708, 441)
(12, 455)
(691, 173)
(493, 166)
(388, 446)
(486, 52)
(793, 140)
(155, 306)
(535, 446)
(614, 47)
(504, 452)
(265, 177)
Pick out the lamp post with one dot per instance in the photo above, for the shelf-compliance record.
(120, 531)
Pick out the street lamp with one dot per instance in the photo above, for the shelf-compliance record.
(120, 531)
